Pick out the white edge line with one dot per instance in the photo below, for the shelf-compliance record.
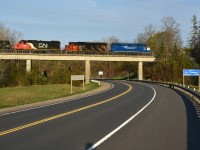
(56, 103)
(125, 123)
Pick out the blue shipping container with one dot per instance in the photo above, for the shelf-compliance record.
(129, 47)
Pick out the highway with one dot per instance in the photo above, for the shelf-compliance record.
(130, 116)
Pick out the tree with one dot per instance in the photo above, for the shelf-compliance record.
(194, 41)
(3, 69)
(171, 34)
(194, 34)
(196, 54)
(162, 51)
(198, 36)
(9, 34)
(166, 44)
(149, 32)
(168, 36)
(12, 36)
(110, 40)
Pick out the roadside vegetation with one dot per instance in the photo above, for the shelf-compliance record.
(15, 96)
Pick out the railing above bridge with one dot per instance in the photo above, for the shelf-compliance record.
(76, 53)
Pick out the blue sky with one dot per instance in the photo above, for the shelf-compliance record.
(93, 20)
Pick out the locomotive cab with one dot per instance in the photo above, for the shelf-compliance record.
(23, 45)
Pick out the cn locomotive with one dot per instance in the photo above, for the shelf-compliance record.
(31, 46)
(74, 47)
(87, 47)
(37, 46)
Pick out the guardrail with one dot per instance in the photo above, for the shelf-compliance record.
(95, 81)
(192, 93)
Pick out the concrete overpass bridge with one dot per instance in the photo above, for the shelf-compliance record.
(87, 58)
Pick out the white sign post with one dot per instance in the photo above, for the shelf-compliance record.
(75, 78)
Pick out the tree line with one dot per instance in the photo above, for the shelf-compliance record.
(171, 57)
(194, 41)
(165, 42)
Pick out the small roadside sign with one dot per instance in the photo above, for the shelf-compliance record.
(75, 78)
(100, 73)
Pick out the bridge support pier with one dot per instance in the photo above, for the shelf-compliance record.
(140, 70)
(87, 72)
(28, 65)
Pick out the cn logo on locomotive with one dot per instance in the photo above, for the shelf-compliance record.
(42, 45)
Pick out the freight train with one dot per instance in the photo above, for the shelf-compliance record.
(74, 47)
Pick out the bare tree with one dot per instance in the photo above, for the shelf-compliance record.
(171, 33)
(110, 40)
(149, 32)
(9, 34)
(12, 36)
(109, 66)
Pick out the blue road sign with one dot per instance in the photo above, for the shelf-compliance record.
(191, 72)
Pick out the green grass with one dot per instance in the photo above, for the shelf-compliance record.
(16, 96)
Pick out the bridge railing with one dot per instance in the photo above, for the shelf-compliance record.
(191, 92)
(59, 52)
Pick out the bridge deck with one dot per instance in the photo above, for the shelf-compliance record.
(25, 56)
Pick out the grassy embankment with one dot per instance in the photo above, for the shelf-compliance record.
(16, 96)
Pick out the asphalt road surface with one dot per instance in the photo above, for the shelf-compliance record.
(130, 116)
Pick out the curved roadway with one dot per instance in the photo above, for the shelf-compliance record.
(131, 116)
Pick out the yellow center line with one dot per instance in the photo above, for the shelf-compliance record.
(63, 114)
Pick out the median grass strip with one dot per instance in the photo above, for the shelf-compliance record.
(17, 96)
